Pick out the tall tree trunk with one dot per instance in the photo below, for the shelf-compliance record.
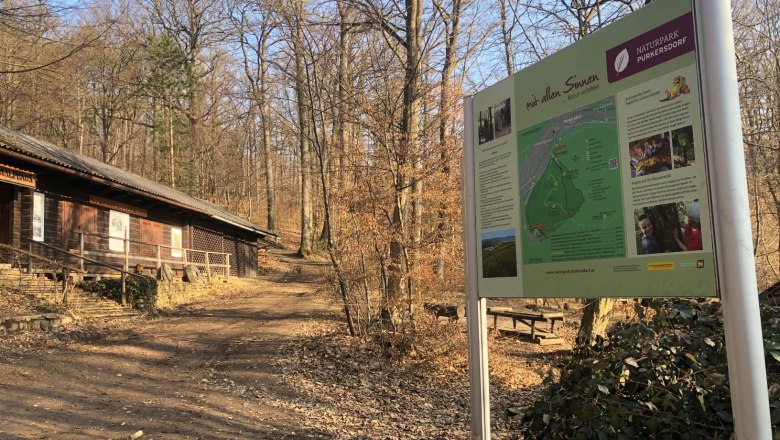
(155, 134)
(407, 149)
(268, 150)
(304, 120)
(446, 102)
(321, 167)
(270, 181)
(80, 111)
(171, 147)
(257, 74)
(506, 37)
(595, 318)
(341, 124)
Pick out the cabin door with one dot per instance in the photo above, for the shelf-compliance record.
(6, 212)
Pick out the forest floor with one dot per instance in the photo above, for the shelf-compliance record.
(270, 360)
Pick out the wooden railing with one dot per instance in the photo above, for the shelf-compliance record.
(209, 263)
(210, 259)
(37, 263)
(123, 273)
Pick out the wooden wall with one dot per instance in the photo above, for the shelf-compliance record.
(64, 214)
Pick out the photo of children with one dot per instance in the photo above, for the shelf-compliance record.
(485, 125)
(691, 236)
(682, 147)
(672, 227)
(650, 155)
(502, 118)
(648, 240)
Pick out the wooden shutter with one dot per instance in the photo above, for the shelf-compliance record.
(78, 218)
(88, 223)
(151, 234)
(69, 221)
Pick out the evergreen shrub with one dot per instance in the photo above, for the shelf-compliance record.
(663, 377)
(141, 290)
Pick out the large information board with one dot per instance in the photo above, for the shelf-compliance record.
(590, 168)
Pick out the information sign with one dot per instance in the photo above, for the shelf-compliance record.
(587, 174)
(590, 168)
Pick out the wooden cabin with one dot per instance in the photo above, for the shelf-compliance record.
(62, 205)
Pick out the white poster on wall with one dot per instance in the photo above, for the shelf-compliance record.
(38, 216)
(176, 242)
(118, 229)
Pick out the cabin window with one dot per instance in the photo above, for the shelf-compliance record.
(151, 235)
(38, 215)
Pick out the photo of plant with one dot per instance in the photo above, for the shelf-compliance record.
(682, 147)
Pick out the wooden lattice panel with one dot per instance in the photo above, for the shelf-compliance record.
(213, 241)
(205, 240)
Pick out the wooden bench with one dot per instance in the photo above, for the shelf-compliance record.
(528, 318)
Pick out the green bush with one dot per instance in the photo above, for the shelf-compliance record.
(141, 290)
(664, 378)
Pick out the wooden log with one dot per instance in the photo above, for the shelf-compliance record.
(498, 309)
(513, 332)
(549, 341)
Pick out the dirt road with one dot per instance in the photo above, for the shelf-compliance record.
(209, 371)
(271, 361)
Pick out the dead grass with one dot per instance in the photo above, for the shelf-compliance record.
(13, 303)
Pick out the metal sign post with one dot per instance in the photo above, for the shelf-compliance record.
(734, 245)
(475, 307)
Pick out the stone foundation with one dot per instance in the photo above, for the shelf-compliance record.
(45, 321)
(177, 292)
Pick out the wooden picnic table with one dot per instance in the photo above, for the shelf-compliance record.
(528, 318)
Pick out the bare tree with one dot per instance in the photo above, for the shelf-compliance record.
(295, 23)
(253, 39)
(36, 28)
(447, 102)
(757, 40)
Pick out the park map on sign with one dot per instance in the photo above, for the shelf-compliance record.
(570, 187)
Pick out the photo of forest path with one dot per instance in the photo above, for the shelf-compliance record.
(499, 256)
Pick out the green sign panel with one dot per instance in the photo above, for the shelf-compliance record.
(590, 170)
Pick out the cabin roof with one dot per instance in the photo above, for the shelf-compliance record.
(28, 146)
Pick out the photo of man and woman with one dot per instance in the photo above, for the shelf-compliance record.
(672, 227)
